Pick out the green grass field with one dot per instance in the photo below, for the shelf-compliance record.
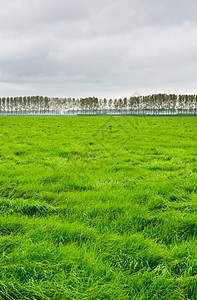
(98, 208)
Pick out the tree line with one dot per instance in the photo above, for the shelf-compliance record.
(151, 104)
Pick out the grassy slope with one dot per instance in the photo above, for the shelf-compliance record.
(98, 208)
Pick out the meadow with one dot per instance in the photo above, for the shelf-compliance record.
(98, 208)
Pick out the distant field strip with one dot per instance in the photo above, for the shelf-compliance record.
(98, 208)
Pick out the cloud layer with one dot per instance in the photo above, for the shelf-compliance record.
(97, 48)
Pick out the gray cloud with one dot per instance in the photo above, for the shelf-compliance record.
(102, 48)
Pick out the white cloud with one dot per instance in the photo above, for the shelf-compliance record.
(101, 48)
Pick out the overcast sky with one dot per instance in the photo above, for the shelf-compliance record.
(103, 48)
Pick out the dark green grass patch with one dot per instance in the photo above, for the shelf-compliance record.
(98, 208)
